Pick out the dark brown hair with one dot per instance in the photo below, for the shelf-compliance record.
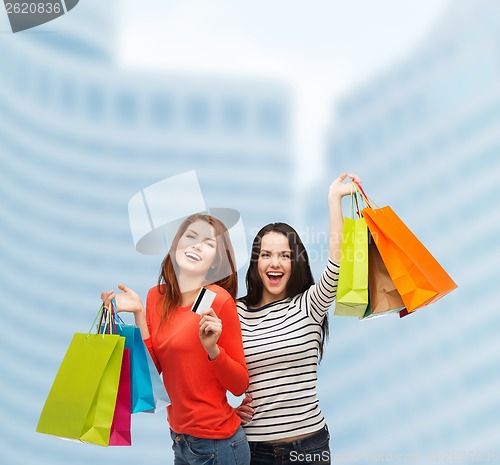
(223, 271)
(301, 277)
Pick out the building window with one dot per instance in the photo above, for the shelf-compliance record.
(94, 102)
(21, 77)
(198, 113)
(234, 118)
(271, 119)
(126, 107)
(68, 95)
(162, 110)
(44, 89)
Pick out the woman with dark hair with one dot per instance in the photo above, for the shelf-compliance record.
(284, 321)
(199, 360)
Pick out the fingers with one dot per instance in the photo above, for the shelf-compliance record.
(340, 187)
(352, 176)
(107, 297)
(355, 178)
(245, 412)
(210, 325)
(209, 312)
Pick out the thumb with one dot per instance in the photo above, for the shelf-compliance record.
(123, 288)
(247, 399)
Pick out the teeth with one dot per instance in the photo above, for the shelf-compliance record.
(193, 256)
(275, 274)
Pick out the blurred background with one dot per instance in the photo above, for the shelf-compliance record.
(268, 102)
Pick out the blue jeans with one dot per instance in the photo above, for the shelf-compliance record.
(314, 449)
(189, 450)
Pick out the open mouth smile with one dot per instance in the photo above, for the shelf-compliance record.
(193, 256)
(274, 277)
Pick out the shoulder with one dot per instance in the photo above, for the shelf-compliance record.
(222, 298)
(154, 296)
(241, 304)
(154, 292)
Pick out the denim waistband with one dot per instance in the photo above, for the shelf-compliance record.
(286, 447)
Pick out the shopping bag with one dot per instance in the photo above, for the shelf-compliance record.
(160, 398)
(418, 277)
(140, 379)
(384, 297)
(160, 395)
(352, 288)
(120, 434)
(81, 401)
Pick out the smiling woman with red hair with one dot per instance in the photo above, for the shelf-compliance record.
(201, 358)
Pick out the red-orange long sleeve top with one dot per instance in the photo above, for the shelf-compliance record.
(196, 385)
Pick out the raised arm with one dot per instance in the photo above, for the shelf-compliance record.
(319, 297)
(338, 189)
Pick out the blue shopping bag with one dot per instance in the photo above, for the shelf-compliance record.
(140, 378)
(161, 397)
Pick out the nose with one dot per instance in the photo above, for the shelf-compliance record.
(197, 246)
(275, 261)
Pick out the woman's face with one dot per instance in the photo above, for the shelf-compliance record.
(196, 249)
(274, 266)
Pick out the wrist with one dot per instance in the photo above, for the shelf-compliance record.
(213, 352)
(336, 196)
(139, 316)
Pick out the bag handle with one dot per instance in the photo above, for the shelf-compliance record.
(355, 204)
(366, 199)
(117, 319)
(101, 316)
(109, 319)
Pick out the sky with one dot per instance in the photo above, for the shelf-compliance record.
(319, 49)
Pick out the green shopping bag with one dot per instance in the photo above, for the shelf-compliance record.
(352, 289)
(81, 401)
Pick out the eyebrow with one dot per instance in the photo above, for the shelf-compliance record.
(281, 251)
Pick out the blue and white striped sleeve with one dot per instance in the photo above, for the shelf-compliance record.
(319, 297)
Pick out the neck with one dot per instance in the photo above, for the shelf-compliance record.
(269, 299)
(189, 286)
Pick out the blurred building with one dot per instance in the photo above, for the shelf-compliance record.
(425, 137)
(78, 138)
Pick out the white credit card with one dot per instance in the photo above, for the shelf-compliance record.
(203, 300)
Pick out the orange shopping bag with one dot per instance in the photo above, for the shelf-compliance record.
(418, 277)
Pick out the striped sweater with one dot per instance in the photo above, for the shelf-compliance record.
(281, 342)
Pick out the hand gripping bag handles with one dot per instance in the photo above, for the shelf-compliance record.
(81, 402)
(418, 277)
(352, 290)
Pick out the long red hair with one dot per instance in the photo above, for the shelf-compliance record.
(223, 271)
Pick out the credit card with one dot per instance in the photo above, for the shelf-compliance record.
(203, 300)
